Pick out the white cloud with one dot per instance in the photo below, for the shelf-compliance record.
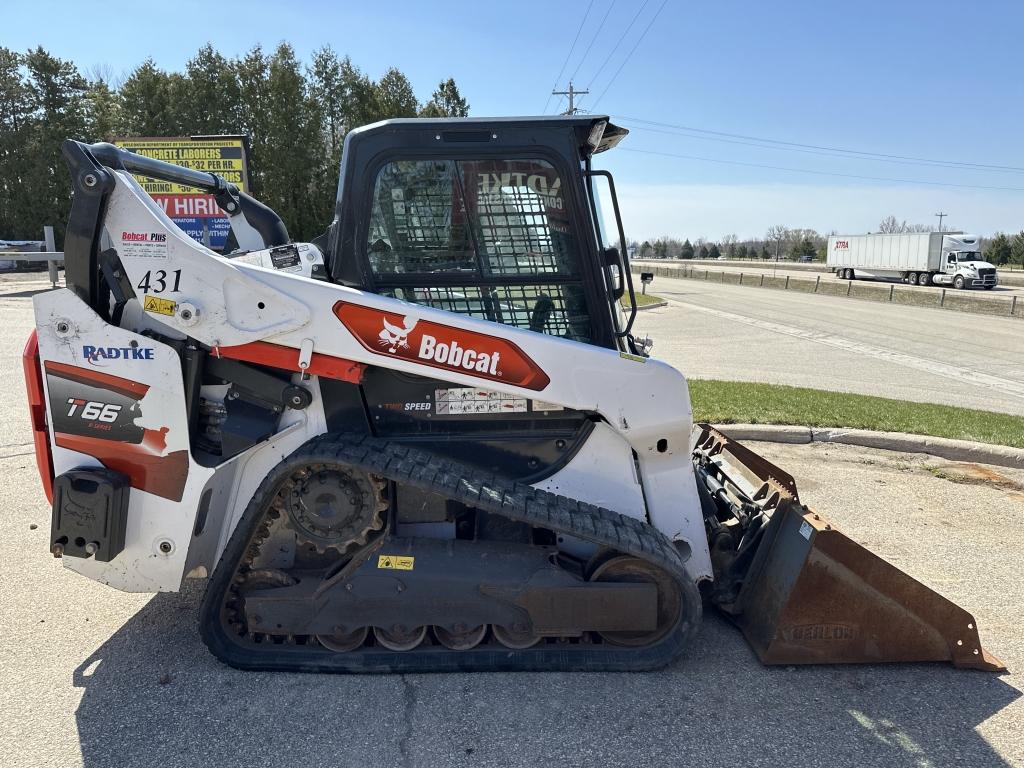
(747, 210)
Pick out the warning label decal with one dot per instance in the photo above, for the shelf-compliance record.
(395, 562)
(159, 306)
(466, 400)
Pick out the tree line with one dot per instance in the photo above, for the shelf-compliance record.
(295, 114)
(795, 244)
(779, 242)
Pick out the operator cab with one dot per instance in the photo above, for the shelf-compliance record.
(498, 218)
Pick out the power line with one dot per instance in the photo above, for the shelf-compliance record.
(632, 51)
(616, 46)
(568, 56)
(977, 166)
(820, 173)
(593, 40)
(823, 153)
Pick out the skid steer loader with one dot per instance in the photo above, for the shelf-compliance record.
(427, 440)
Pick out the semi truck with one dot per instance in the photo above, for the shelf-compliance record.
(917, 258)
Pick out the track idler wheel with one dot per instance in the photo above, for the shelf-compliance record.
(461, 640)
(343, 642)
(515, 637)
(400, 638)
(624, 568)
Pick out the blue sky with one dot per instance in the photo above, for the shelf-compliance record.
(937, 80)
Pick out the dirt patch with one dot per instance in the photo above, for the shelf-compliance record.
(975, 474)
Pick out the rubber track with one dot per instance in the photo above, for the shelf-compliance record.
(485, 491)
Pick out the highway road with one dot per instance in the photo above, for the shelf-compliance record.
(745, 333)
(795, 271)
(98, 678)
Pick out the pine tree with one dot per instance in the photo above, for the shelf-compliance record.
(289, 151)
(148, 104)
(254, 113)
(446, 101)
(686, 252)
(16, 215)
(1017, 249)
(394, 96)
(56, 96)
(998, 251)
(213, 105)
(103, 111)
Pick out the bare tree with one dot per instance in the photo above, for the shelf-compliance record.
(777, 234)
(891, 226)
(729, 244)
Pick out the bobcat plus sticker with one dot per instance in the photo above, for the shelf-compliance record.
(143, 245)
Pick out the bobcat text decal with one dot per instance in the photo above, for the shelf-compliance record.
(441, 346)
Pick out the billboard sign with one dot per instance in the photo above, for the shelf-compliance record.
(193, 210)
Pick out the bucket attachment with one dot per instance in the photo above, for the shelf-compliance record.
(804, 593)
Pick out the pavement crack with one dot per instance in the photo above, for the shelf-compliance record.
(409, 702)
(15, 455)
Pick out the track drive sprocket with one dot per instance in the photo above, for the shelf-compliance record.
(333, 508)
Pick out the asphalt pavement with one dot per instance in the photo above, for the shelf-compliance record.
(715, 331)
(94, 677)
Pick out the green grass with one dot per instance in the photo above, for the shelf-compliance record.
(736, 402)
(642, 300)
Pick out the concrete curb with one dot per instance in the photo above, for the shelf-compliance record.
(658, 305)
(954, 450)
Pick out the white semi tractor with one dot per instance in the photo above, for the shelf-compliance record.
(918, 258)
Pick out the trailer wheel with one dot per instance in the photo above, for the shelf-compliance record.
(925, 278)
(912, 278)
(958, 282)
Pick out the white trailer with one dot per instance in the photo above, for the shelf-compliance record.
(917, 258)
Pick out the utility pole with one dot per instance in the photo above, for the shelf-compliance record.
(571, 94)
(941, 217)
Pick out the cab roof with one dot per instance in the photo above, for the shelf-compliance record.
(596, 133)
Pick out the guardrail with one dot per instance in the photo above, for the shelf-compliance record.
(51, 256)
(961, 301)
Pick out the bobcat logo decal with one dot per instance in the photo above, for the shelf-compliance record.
(393, 337)
(428, 342)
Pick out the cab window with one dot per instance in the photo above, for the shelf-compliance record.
(489, 238)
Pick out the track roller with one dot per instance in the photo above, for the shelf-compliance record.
(461, 640)
(400, 638)
(515, 637)
(343, 642)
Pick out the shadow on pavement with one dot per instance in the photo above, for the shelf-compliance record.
(26, 294)
(153, 696)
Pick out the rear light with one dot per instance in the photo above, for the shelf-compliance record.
(37, 412)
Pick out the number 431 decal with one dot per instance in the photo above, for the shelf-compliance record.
(155, 281)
